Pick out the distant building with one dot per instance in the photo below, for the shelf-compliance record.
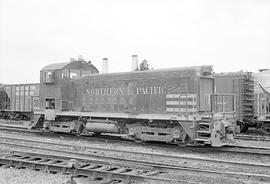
(262, 78)
(262, 92)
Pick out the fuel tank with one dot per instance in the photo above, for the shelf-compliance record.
(102, 126)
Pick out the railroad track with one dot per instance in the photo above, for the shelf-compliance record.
(253, 137)
(240, 149)
(94, 171)
(23, 127)
(154, 161)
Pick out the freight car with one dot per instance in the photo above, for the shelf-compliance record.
(241, 84)
(251, 100)
(170, 105)
(17, 101)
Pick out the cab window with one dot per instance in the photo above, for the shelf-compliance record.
(48, 77)
(50, 103)
(74, 74)
(85, 73)
(65, 74)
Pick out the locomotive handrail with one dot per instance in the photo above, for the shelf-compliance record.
(186, 95)
(214, 103)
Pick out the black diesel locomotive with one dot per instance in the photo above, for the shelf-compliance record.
(171, 105)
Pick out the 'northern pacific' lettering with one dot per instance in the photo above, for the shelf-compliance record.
(106, 91)
(155, 90)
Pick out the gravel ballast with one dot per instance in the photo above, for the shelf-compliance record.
(16, 176)
(27, 176)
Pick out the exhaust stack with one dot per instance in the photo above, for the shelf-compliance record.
(105, 65)
(134, 66)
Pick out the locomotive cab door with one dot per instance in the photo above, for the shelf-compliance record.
(205, 90)
(50, 109)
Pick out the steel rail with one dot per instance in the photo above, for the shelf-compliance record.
(233, 149)
(155, 165)
(253, 137)
(54, 164)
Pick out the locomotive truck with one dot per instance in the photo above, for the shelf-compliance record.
(175, 105)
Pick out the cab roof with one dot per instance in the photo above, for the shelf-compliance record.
(72, 64)
(55, 66)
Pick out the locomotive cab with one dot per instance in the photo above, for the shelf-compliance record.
(55, 85)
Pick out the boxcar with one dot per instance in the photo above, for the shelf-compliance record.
(241, 84)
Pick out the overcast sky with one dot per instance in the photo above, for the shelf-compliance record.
(231, 35)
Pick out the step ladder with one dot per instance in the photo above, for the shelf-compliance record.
(203, 134)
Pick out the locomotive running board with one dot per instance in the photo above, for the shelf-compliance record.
(126, 115)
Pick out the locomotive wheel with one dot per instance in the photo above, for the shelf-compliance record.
(182, 135)
(266, 128)
(138, 141)
(97, 134)
(132, 136)
(243, 126)
(77, 127)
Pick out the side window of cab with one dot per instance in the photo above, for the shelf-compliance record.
(48, 77)
(65, 74)
(74, 74)
(71, 74)
(50, 103)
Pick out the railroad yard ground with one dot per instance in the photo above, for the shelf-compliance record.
(167, 162)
